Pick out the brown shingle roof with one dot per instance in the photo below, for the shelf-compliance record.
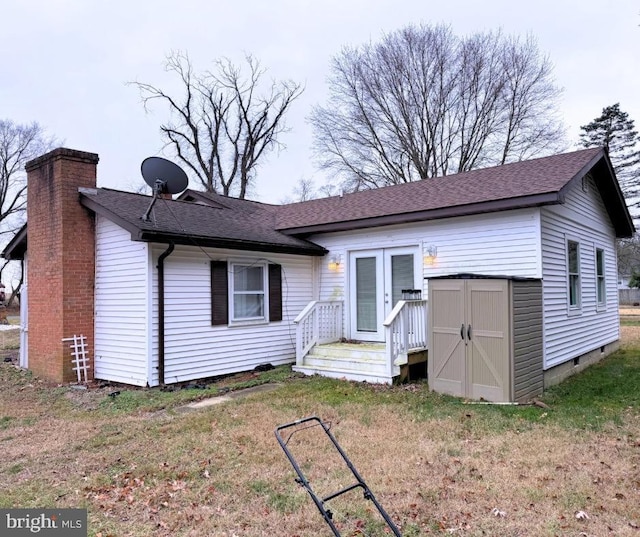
(528, 183)
(531, 183)
(247, 226)
(215, 220)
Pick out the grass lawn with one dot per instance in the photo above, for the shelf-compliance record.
(144, 466)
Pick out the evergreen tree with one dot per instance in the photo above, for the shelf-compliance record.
(616, 131)
(634, 281)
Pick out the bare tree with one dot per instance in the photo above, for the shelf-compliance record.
(423, 103)
(18, 145)
(220, 127)
(15, 282)
(303, 191)
(629, 255)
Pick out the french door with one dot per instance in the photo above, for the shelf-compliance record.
(376, 281)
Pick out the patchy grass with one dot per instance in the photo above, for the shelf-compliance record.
(144, 467)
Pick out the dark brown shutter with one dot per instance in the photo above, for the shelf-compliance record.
(219, 293)
(275, 293)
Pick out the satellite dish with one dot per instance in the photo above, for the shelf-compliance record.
(163, 176)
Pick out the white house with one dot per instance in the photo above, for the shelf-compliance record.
(213, 285)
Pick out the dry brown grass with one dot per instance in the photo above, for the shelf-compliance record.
(220, 472)
(630, 336)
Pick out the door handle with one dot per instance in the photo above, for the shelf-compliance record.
(462, 331)
(469, 332)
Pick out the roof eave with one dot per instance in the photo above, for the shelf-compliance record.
(146, 235)
(230, 244)
(91, 204)
(537, 200)
(17, 246)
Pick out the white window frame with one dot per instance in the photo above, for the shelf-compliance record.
(578, 291)
(601, 301)
(242, 265)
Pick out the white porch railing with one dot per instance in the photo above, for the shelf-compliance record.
(319, 322)
(405, 330)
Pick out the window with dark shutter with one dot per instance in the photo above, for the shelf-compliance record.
(248, 295)
(219, 293)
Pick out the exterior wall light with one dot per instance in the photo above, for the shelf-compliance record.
(430, 254)
(334, 262)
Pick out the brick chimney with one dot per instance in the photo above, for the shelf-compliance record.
(61, 260)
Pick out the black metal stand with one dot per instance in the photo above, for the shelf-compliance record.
(302, 480)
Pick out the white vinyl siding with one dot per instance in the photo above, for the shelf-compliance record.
(121, 320)
(582, 218)
(193, 347)
(499, 244)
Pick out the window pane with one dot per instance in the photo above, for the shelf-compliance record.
(247, 278)
(573, 262)
(249, 305)
(601, 288)
(573, 290)
(573, 257)
(600, 262)
(248, 291)
(367, 320)
(401, 275)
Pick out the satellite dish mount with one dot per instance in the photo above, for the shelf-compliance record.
(164, 177)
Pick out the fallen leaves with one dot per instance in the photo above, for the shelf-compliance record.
(130, 489)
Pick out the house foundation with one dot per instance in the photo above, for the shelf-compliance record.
(557, 374)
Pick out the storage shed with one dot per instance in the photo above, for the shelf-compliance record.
(486, 337)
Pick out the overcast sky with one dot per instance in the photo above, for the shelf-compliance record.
(65, 63)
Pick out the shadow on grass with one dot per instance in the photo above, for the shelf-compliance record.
(598, 396)
(601, 393)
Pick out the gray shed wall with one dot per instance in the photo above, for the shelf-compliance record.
(528, 344)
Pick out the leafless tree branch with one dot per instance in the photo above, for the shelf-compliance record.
(220, 128)
(423, 102)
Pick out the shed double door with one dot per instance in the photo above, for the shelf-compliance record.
(469, 341)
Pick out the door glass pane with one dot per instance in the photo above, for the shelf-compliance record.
(401, 275)
(367, 320)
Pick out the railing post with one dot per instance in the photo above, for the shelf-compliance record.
(317, 322)
(299, 331)
(390, 349)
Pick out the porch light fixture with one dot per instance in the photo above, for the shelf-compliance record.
(430, 254)
(334, 262)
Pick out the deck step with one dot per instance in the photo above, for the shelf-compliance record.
(346, 374)
(366, 352)
(360, 362)
(346, 363)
